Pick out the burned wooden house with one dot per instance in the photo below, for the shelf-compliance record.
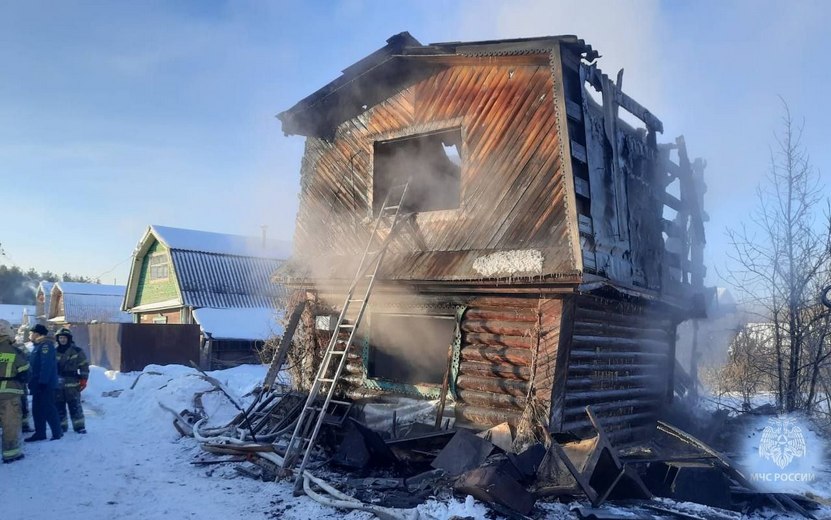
(549, 245)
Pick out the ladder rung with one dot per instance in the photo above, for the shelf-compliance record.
(347, 326)
(326, 380)
(390, 208)
(341, 352)
(358, 300)
(335, 401)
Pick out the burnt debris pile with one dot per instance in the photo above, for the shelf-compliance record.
(395, 465)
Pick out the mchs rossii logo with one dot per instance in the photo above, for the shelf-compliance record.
(781, 457)
(782, 441)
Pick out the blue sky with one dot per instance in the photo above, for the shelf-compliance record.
(118, 115)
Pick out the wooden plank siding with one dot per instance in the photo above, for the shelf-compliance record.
(619, 363)
(513, 192)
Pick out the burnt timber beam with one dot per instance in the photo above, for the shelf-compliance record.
(595, 78)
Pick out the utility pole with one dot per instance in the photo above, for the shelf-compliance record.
(265, 229)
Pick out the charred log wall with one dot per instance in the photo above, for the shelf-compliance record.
(509, 352)
(619, 362)
(563, 353)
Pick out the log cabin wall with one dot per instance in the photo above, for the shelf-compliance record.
(567, 352)
(500, 336)
(513, 187)
(620, 362)
(508, 352)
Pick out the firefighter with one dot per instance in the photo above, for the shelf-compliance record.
(73, 372)
(24, 399)
(42, 384)
(14, 373)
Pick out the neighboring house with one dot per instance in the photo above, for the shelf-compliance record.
(16, 315)
(43, 296)
(30, 318)
(74, 303)
(551, 244)
(218, 281)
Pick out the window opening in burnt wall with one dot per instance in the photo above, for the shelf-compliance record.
(431, 161)
(409, 349)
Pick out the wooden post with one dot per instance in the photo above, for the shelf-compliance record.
(444, 385)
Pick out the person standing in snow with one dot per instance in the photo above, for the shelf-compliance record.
(42, 385)
(24, 399)
(73, 372)
(14, 372)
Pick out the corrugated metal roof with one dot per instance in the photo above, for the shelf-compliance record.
(213, 280)
(85, 303)
(215, 269)
(220, 243)
(98, 289)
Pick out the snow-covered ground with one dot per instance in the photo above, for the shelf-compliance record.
(134, 465)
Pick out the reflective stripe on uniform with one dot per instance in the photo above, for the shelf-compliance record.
(8, 358)
(8, 454)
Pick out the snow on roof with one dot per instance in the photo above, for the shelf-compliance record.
(258, 323)
(221, 243)
(88, 302)
(724, 296)
(91, 288)
(14, 313)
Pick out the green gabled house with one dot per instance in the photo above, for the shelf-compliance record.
(218, 281)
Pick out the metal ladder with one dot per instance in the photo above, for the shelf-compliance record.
(313, 414)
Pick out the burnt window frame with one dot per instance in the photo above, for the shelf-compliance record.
(426, 391)
(410, 135)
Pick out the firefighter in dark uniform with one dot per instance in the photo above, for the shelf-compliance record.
(14, 373)
(42, 385)
(73, 372)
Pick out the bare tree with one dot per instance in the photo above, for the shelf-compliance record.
(780, 258)
(744, 370)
